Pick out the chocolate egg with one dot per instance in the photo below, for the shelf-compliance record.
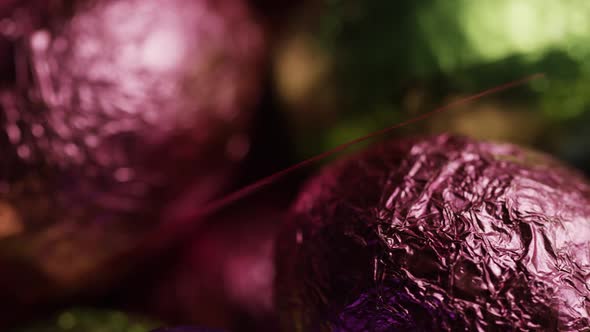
(436, 234)
(91, 320)
(127, 116)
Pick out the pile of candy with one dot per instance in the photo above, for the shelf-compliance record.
(126, 125)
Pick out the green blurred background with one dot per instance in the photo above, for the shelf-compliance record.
(344, 68)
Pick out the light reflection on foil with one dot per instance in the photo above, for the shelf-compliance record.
(129, 112)
(438, 234)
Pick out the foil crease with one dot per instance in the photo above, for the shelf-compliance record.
(438, 234)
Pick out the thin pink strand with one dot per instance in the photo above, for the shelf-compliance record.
(249, 189)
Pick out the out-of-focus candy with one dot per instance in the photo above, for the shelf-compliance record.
(126, 115)
(91, 320)
(226, 272)
(437, 234)
(223, 275)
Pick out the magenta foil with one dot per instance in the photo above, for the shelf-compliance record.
(125, 116)
(223, 276)
(438, 234)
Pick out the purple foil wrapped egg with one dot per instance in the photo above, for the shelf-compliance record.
(126, 116)
(438, 234)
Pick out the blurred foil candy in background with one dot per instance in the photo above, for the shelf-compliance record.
(220, 274)
(437, 234)
(223, 274)
(124, 117)
(226, 274)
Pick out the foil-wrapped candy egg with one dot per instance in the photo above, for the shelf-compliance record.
(129, 115)
(437, 234)
(225, 276)
(90, 320)
(222, 276)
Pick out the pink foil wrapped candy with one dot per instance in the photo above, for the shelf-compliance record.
(438, 234)
(129, 115)
(223, 276)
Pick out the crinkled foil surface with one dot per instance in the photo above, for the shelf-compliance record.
(438, 234)
(124, 115)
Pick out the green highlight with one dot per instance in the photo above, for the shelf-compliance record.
(91, 320)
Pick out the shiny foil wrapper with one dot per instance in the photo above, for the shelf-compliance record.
(438, 234)
(90, 320)
(126, 116)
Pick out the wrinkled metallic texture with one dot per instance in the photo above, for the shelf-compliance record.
(438, 234)
(128, 114)
(90, 320)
